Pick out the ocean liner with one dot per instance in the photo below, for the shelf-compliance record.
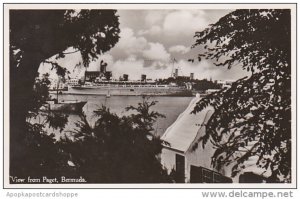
(129, 88)
(100, 83)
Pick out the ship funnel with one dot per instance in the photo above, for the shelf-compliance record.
(143, 78)
(176, 73)
(125, 77)
(192, 76)
(103, 66)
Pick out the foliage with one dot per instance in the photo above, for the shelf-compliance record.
(113, 150)
(180, 81)
(57, 120)
(252, 119)
(36, 36)
(117, 149)
(41, 156)
(203, 85)
(199, 85)
(40, 92)
(51, 32)
(144, 118)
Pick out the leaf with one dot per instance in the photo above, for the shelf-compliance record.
(246, 39)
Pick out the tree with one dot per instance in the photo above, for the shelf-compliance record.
(144, 118)
(40, 92)
(204, 84)
(117, 149)
(253, 117)
(37, 35)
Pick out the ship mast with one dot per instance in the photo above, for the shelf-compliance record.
(173, 62)
(57, 87)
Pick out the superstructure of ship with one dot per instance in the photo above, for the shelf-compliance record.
(101, 83)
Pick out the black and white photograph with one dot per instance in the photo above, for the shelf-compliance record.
(145, 95)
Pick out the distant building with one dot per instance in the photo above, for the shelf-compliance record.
(183, 78)
(191, 76)
(176, 73)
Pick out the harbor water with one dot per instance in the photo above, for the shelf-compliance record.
(170, 107)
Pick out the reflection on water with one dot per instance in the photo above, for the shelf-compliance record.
(171, 107)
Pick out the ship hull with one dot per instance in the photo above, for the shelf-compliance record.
(131, 91)
(64, 107)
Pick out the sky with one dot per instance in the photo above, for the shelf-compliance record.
(149, 42)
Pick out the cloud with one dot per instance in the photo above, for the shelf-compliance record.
(131, 66)
(157, 54)
(130, 43)
(70, 61)
(184, 22)
(95, 65)
(206, 69)
(154, 30)
(135, 68)
(149, 38)
(201, 70)
(155, 17)
(179, 49)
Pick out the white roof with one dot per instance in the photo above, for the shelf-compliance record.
(184, 131)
